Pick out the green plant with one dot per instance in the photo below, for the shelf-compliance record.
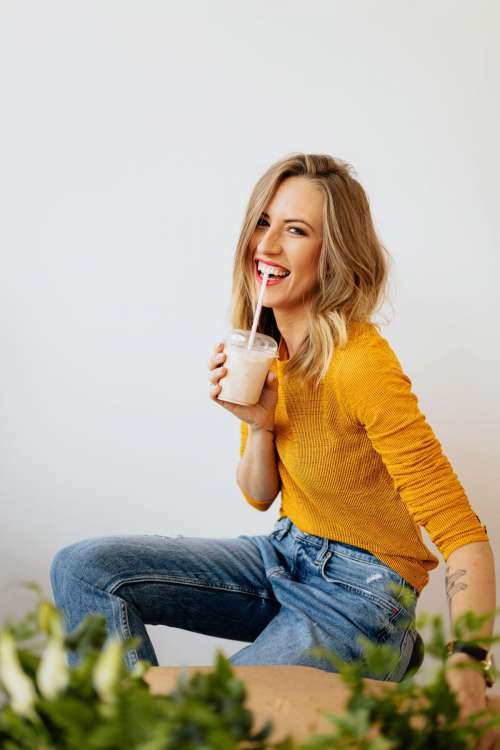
(415, 714)
(99, 705)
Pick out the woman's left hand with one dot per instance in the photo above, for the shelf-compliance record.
(470, 689)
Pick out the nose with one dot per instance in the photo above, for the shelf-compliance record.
(269, 244)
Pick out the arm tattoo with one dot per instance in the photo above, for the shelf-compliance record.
(453, 584)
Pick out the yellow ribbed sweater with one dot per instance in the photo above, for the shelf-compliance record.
(359, 464)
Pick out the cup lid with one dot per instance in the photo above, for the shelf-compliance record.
(262, 343)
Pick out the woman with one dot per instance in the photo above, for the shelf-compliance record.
(338, 431)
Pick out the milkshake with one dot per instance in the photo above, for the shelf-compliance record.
(247, 369)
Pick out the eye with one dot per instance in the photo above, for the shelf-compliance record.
(299, 230)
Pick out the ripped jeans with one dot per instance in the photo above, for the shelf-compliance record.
(283, 593)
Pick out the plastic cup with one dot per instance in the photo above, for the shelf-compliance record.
(247, 369)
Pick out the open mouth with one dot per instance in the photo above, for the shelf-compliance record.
(276, 276)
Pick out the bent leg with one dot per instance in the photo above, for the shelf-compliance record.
(332, 596)
(292, 637)
(213, 586)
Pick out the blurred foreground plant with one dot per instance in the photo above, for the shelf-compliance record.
(100, 705)
(418, 713)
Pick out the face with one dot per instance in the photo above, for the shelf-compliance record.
(289, 235)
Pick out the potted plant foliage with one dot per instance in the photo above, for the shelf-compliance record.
(99, 704)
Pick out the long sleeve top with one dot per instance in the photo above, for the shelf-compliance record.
(359, 463)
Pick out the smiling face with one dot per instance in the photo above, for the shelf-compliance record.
(289, 235)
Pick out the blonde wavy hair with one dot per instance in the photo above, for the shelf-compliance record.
(352, 268)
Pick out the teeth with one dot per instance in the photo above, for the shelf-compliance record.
(274, 270)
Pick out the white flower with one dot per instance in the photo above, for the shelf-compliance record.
(49, 618)
(53, 672)
(140, 669)
(107, 670)
(17, 684)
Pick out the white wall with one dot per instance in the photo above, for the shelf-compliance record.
(131, 135)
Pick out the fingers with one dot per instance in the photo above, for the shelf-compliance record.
(217, 370)
(218, 356)
(214, 378)
(214, 392)
(271, 383)
(216, 374)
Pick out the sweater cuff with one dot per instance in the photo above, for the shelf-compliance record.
(468, 537)
(261, 505)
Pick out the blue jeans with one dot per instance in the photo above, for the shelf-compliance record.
(283, 593)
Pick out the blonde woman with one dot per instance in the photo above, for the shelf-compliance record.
(338, 432)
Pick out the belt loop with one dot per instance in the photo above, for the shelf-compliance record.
(322, 552)
(284, 526)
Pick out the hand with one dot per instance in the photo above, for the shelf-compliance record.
(470, 689)
(260, 416)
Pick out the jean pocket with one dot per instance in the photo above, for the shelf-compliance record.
(368, 597)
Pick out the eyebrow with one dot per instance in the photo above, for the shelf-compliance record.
(301, 221)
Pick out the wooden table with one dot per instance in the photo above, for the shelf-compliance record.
(292, 696)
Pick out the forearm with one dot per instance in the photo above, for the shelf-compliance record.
(257, 472)
(470, 583)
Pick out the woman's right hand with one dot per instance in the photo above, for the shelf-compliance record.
(260, 416)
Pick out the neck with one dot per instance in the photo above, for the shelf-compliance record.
(293, 327)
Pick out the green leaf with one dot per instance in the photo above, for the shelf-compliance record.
(207, 710)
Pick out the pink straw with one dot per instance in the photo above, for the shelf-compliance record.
(256, 316)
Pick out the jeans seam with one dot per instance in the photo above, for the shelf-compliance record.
(396, 671)
(172, 579)
(372, 561)
(88, 583)
(278, 570)
(188, 582)
(394, 607)
(360, 559)
(125, 628)
(300, 538)
(123, 618)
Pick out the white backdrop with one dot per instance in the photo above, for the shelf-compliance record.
(131, 135)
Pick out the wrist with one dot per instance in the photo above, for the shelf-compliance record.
(258, 429)
(459, 658)
(463, 652)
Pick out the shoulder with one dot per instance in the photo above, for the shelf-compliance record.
(364, 350)
(366, 369)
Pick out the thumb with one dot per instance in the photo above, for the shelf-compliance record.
(271, 379)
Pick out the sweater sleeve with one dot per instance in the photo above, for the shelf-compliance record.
(258, 504)
(377, 395)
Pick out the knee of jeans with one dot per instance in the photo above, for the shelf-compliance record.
(73, 561)
(62, 563)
